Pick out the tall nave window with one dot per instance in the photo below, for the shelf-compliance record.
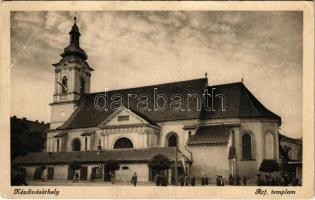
(76, 144)
(269, 146)
(172, 140)
(246, 147)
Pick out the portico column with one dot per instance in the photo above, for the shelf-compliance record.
(103, 141)
(106, 141)
(145, 140)
(89, 143)
(48, 144)
(55, 144)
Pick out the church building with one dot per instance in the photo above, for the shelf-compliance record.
(204, 130)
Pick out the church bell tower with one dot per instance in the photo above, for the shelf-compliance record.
(72, 79)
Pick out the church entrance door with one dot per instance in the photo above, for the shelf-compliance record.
(83, 173)
(50, 173)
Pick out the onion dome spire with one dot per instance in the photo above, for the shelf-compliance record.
(74, 46)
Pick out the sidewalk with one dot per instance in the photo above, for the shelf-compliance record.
(96, 183)
(80, 183)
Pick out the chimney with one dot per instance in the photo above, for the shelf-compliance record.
(14, 116)
(24, 118)
(36, 121)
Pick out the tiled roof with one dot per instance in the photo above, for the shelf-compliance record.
(86, 115)
(284, 138)
(124, 155)
(210, 135)
(239, 102)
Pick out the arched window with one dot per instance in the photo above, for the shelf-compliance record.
(82, 86)
(123, 143)
(269, 146)
(76, 144)
(246, 147)
(172, 140)
(65, 85)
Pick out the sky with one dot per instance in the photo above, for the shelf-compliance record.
(138, 48)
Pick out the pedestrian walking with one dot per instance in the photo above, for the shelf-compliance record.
(202, 181)
(76, 176)
(206, 180)
(157, 180)
(92, 176)
(164, 180)
(244, 180)
(186, 179)
(220, 181)
(237, 179)
(182, 181)
(231, 179)
(134, 179)
(193, 181)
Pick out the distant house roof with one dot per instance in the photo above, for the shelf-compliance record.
(210, 135)
(284, 138)
(123, 155)
(238, 102)
(26, 124)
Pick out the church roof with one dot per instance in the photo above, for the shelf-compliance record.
(122, 155)
(238, 102)
(86, 107)
(210, 135)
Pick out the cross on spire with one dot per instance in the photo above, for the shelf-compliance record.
(75, 18)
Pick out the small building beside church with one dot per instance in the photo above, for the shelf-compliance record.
(204, 130)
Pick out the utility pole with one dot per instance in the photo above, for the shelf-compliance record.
(176, 168)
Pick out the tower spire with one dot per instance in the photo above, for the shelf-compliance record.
(74, 47)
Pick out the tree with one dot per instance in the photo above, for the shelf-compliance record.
(269, 166)
(284, 153)
(26, 137)
(111, 165)
(159, 163)
(75, 165)
(287, 171)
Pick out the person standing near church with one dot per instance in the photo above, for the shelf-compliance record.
(134, 179)
(244, 180)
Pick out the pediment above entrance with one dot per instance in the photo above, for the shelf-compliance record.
(124, 117)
